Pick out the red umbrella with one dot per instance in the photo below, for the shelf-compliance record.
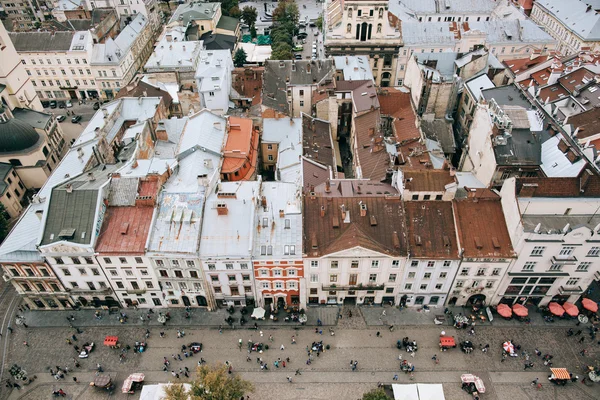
(504, 310)
(556, 309)
(520, 310)
(571, 309)
(590, 305)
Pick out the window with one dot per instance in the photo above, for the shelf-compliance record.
(314, 278)
(120, 284)
(572, 281)
(414, 263)
(44, 272)
(423, 286)
(243, 265)
(144, 272)
(566, 251)
(334, 264)
(74, 285)
(427, 275)
(443, 275)
(214, 278)
(529, 266)
(175, 263)
(408, 286)
(538, 250)
(139, 260)
(430, 264)
(66, 272)
(163, 273)
(245, 277)
(481, 271)
(82, 271)
(489, 284)
(91, 285)
(88, 260)
(113, 272)
(464, 271)
(333, 278)
(212, 267)
(314, 264)
(439, 286)
(211, 94)
(29, 272)
(584, 266)
(277, 272)
(228, 266)
(95, 271)
(411, 275)
(354, 264)
(372, 278)
(301, 103)
(178, 274)
(349, 28)
(269, 250)
(555, 267)
(197, 286)
(594, 251)
(231, 278)
(375, 264)
(290, 272)
(496, 271)
(460, 284)
(76, 260)
(160, 263)
(194, 274)
(270, 157)
(392, 278)
(447, 263)
(289, 249)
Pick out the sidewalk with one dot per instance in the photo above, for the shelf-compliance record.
(198, 317)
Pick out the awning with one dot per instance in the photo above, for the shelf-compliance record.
(470, 378)
(520, 310)
(405, 392)
(504, 310)
(102, 381)
(589, 305)
(560, 373)
(571, 309)
(556, 309)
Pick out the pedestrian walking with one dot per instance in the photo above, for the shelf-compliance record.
(283, 363)
(25, 325)
(9, 329)
(395, 377)
(75, 379)
(298, 372)
(282, 347)
(535, 382)
(270, 338)
(179, 357)
(289, 378)
(26, 344)
(435, 359)
(582, 339)
(187, 375)
(17, 386)
(293, 340)
(74, 337)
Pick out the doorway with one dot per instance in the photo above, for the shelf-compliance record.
(281, 302)
(201, 300)
(477, 300)
(73, 94)
(186, 301)
(350, 301)
(453, 301)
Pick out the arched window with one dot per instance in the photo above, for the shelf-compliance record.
(378, 28)
(349, 28)
(350, 13)
(380, 13)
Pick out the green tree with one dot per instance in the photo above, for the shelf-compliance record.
(249, 16)
(281, 51)
(235, 12)
(4, 217)
(227, 5)
(319, 22)
(253, 32)
(176, 391)
(211, 383)
(286, 11)
(239, 58)
(376, 394)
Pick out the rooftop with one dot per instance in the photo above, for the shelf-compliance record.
(588, 185)
(481, 227)
(313, 174)
(509, 31)
(36, 119)
(354, 68)
(508, 95)
(576, 80)
(146, 90)
(440, 66)
(228, 23)
(427, 180)
(586, 124)
(431, 231)
(520, 65)
(417, 33)
(397, 104)
(218, 41)
(575, 17)
(354, 188)
(332, 225)
(560, 161)
(372, 154)
(213, 67)
(279, 74)
(478, 84)
(174, 54)
(287, 132)
(113, 51)
(440, 130)
(242, 143)
(281, 206)
(555, 224)
(452, 6)
(37, 42)
(194, 11)
(125, 230)
(229, 220)
(552, 93)
(317, 144)
(5, 169)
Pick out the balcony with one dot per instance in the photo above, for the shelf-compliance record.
(89, 291)
(564, 259)
(136, 291)
(352, 287)
(570, 290)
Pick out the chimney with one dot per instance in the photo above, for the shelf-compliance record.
(91, 177)
(222, 209)
(343, 207)
(322, 211)
(134, 165)
(69, 188)
(169, 38)
(105, 112)
(363, 209)
(80, 153)
(584, 180)
(281, 213)
(263, 202)
(327, 186)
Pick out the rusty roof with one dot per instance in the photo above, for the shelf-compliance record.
(241, 146)
(575, 80)
(523, 64)
(248, 82)
(552, 92)
(586, 123)
(431, 231)
(355, 187)
(427, 180)
(317, 143)
(381, 229)
(372, 155)
(396, 104)
(143, 89)
(482, 228)
(125, 230)
(587, 185)
(314, 174)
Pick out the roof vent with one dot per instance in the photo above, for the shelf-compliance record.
(418, 240)
(336, 223)
(68, 233)
(495, 242)
(447, 242)
(314, 242)
(478, 243)
(396, 240)
(373, 220)
(363, 209)
(222, 209)
(124, 228)
(322, 211)
(69, 188)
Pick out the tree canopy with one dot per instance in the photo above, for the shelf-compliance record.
(376, 394)
(249, 16)
(239, 58)
(285, 27)
(210, 383)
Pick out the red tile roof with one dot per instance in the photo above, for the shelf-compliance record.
(372, 155)
(431, 231)
(396, 104)
(125, 230)
(575, 80)
(482, 229)
(587, 185)
(552, 93)
(248, 82)
(314, 174)
(427, 180)
(586, 123)
(523, 64)
(241, 149)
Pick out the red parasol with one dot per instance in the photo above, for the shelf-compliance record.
(556, 309)
(571, 309)
(504, 310)
(520, 310)
(589, 305)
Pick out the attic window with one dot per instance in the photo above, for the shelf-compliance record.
(418, 240)
(68, 233)
(373, 220)
(478, 243)
(265, 222)
(124, 228)
(446, 241)
(336, 223)
(269, 250)
(495, 242)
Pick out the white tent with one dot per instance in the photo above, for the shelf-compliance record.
(418, 391)
(428, 391)
(258, 313)
(405, 392)
(157, 392)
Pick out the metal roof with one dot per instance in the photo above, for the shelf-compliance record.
(575, 17)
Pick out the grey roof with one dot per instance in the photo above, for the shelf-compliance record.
(455, 6)
(41, 41)
(520, 31)
(278, 72)
(522, 147)
(441, 64)
(123, 191)
(70, 216)
(194, 11)
(5, 169)
(37, 119)
(228, 23)
(217, 41)
(419, 33)
(441, 131)
(558, 222)
(17, 136)
(506, 96)
(574, 16)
